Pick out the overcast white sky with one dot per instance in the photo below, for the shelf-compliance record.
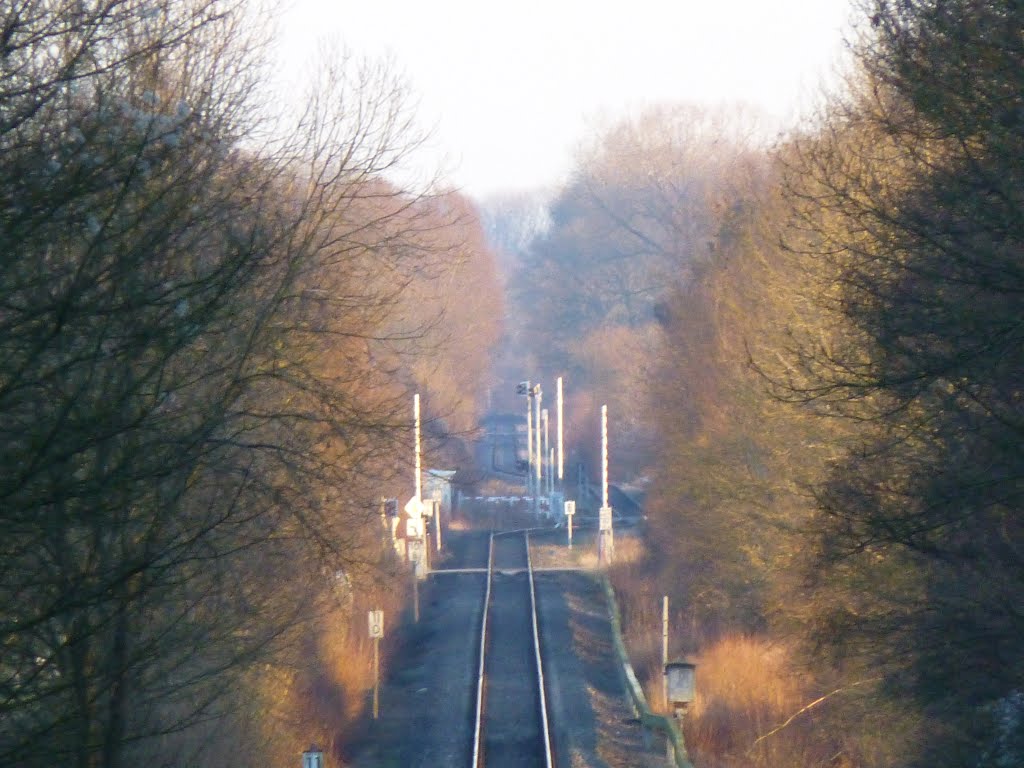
(511, 89)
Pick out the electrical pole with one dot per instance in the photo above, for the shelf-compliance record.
(529, 440)
(551, 472)
(606, 541)
(416, 542)
(546, 474)
(560, 456)
(416, 416)
(537, 479)
(604, 455)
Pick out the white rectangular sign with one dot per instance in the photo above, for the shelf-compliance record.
(570, 508)
(376, 622)
(417, 551)
(604, 518)
(414, 528)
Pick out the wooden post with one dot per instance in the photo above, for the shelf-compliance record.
(375, 621)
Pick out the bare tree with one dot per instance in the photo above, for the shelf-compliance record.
(188, 396)
(911, 200)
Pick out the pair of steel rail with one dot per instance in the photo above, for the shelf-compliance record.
(479, 757)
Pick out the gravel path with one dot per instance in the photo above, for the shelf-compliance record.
(429, 694)
(428, 697)
(594, 723)
(464, 549)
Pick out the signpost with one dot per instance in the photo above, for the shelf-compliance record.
(570, 510)
(418, 557)
(418, 554)
(375, 620)
(415, 531)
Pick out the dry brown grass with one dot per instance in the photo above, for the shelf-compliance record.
(747, 711)
(629, 550)
(747, 686)
(459, 524)
(640, 606)
(346, 663)
(557, 554)
(320, 693)
(746, 689)
(583, 553)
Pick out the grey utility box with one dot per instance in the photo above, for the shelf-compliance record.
(681, 683)
(313, 758)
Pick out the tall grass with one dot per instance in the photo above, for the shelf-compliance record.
(751, 695)
(748, 689)
(320, 692)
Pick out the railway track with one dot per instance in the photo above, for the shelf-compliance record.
(504, 455)
(512, 726)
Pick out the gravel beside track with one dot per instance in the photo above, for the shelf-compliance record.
(429, 693)
(594, 725)
(428, 698)
(464, 549)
